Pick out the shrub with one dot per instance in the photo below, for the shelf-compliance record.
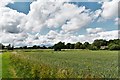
(113, 46)
(92, 47)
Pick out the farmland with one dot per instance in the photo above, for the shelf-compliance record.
(47, 63)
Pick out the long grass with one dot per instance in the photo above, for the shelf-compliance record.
(64, 64)
(0, 65)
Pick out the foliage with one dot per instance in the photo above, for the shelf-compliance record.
(77, 45)
(2, 46)
(93, 47)
(59, 46)
(99, 43)
(86, 45)
(64, 64)
(96, 45)
(113, 46)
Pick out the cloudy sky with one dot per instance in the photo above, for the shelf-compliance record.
(38, 22)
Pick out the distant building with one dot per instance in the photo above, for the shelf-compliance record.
(103, 47)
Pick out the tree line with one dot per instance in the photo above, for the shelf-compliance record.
(98, 44)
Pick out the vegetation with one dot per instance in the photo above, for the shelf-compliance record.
(79, 60)
(60, 64)
(0, 65)
(96, 45)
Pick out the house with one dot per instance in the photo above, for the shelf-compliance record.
(103, 47)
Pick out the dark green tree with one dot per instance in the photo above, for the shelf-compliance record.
(72, 46)
(93, 47)
(68, 45)
(59, 46)
(77, 45)
(2, 46)
(86, 45)
(9, 47)
(99, 42)
(114, 46)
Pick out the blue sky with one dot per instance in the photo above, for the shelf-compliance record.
(89, 5)
(23, 7)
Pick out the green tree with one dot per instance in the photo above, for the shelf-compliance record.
(82, 46)
(86, 45)
(93, 47)
(99, 43)
(72, 46)
(59, 46)
(9, 47)
(2, 46)
(68, 45)
(114, 46)
(77, 45)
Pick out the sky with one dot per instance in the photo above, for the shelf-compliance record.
(48, 22)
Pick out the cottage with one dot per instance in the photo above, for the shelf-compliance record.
(103, 47)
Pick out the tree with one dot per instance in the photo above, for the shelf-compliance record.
(99, 43)
(2, 46)
(9, 47)
(86, 45)
(82, 46)
(68, 45)
(72, 46)
(35, 47)
(44, 47)
(77, 45)
(93, 47)
(24, 47)
(113, 46)
(115, 41)
(59, 46)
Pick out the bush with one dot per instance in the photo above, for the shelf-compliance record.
(92, 47)
(113, 46)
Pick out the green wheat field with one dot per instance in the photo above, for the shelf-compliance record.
(59, 64)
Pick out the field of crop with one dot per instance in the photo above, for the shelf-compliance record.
(0, 65)
(60, 64)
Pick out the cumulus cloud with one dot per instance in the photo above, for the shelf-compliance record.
(94, 30)
(3, 3)
(107, 35)
(109, 9)
(67, 16)
(117, 21)
(52, 37)
(77, 22)
(64, 14)
(10, 20)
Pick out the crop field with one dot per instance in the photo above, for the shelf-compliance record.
(59, 64)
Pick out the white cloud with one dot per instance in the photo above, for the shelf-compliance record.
(10, 20)
(53, 37)
(94, 30)
(117, 21)
(3, 3)
(110, 9)
(40, 12)
(98, 0)
(68, 17)
(107, 35)
(77, 22)
(64, 14)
